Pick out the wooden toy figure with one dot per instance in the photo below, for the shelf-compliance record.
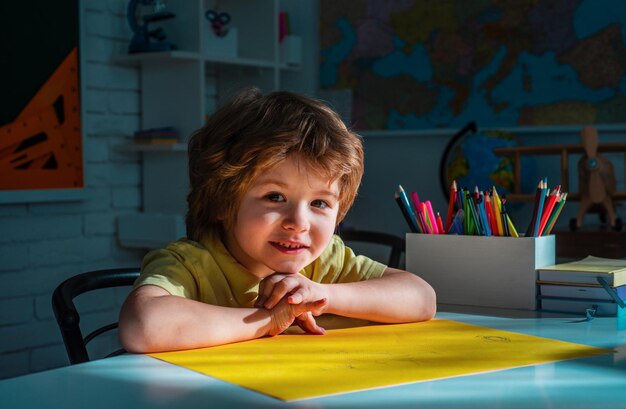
(596, 178)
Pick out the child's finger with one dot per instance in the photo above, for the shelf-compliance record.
(266, 287)
(308, 324)
(300, 294)
(319, 306)
(295, 298)
(281, 289)
(314, 307)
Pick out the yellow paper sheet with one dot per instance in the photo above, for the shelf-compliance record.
(292, 367)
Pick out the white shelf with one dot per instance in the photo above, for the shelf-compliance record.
(244, 62)
(136, 59)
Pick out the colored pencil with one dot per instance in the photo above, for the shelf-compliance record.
(504, 215)
(405, 200)
(451, 201)
(556, 213)
(431, 217)
(405, 212)
(460, 202)
(458, 221)
(428, 225)
(495, 199)
(467, 225)
(473, 215)
(489, 210)
(549, 207)
(440, 224)
(512, 229)
(542, 200)
(483, 216)
(531, 225)
(418, 212)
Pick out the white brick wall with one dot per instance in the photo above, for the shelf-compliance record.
(41, 244)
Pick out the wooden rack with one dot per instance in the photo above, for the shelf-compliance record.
(564, 151)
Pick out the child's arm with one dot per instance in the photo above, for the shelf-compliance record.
(397, 296)
(152, 320)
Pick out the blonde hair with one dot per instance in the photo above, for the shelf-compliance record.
(254, 132)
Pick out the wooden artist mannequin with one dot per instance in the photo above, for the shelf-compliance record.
(596, 178)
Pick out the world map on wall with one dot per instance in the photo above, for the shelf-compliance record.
(422, 64)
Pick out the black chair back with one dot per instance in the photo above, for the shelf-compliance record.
(67, 315)
(396, 244)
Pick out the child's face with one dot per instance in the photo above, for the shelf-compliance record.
(285, 221)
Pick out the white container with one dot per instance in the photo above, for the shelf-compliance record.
(225, 47)
(481, 271)
(291, 50)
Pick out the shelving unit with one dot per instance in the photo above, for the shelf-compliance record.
(181, 88)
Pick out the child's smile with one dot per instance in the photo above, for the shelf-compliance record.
(285, 220)
(290, 248)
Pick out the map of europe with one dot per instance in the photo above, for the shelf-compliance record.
(423, 64)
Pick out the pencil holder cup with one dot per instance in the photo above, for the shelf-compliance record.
(481, 271)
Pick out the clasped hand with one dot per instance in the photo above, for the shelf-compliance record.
(292, 297)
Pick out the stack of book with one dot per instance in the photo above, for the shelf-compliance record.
(156, 135)
(591, 284)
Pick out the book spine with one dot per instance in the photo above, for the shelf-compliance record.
(603, 308)
(595, 292)
(573, 277)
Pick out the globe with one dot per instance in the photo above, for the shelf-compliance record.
(470, 160)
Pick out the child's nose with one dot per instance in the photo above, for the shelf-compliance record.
(296, 218)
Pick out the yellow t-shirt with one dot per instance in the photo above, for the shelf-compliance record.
(207, 272)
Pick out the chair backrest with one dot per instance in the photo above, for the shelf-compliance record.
(68, 316)
(396, 244)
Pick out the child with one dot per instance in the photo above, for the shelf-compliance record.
(271, 177)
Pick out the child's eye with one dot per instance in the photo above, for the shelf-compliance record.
(320, 203)
(275, 197)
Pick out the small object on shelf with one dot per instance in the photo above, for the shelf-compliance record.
(144, 39)
(291, 50)
(283, 26)
(219, 21)
(156, 136)
(290, 45)
(596, 179)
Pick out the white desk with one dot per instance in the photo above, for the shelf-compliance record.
(137, 381)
